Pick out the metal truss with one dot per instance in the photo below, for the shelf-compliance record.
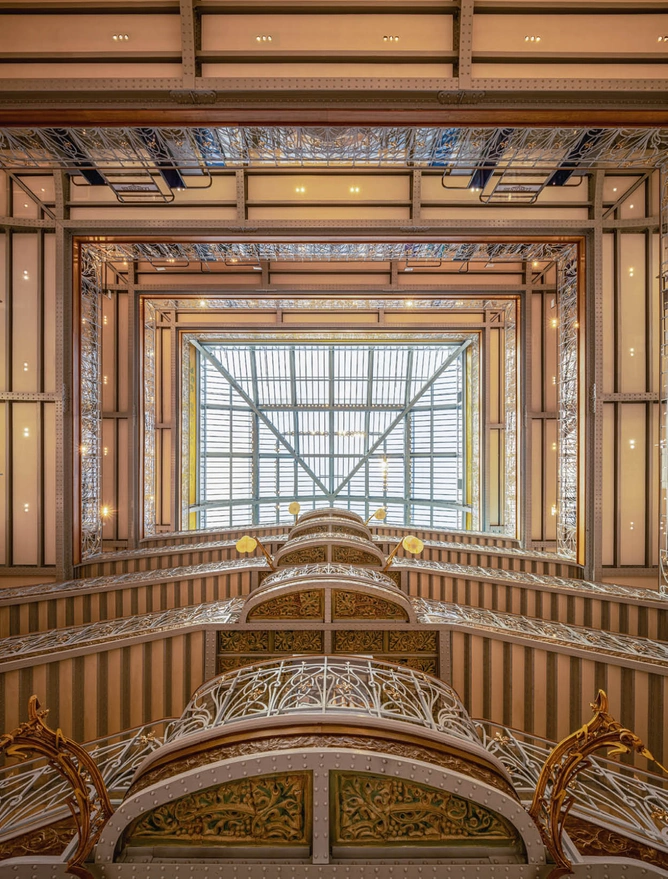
(194, 152)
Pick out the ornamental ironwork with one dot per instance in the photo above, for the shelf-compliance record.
(55, 640)
(553, 799)
(88, 800)
(33, 793)
(621, 796)
(325, 686)
(200, 151)
(555, 633)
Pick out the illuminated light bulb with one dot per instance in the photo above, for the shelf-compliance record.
(258, 38)
(115, 37)
(577, 324)
(25, 204)
(632, 352)
(632, 444)
(554, 322)
(631, 273)
(43, 190)
(104, 378)
(105, 512)
(410, 303)
(25, 366)
(26, 508)
(106, 451)
(202, 302)
(554, 447)
(26, 431)
(631, 526)
(554, 379)
(83, 449)
(614, 189)
(535, 263)
(631, 206)
(553, 510)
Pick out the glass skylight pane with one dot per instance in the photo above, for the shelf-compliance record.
(343, 431)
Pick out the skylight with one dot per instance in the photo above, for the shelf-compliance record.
(351, 425)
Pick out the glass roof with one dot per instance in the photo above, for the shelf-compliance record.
(351, 425)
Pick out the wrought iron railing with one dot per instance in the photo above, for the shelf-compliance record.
(33, 793)
(615, 794)
(325, 686)
(549, 631)
(104, 631)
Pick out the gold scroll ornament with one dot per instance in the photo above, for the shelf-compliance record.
(552, 800)
(89, 801)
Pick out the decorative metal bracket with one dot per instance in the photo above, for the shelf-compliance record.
(552, 800)
(89, 803)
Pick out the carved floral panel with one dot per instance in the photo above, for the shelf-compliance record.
(373, 809)
(266, 810)
(294, 606)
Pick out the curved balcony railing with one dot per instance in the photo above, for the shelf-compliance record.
(617, 795)
(326, 686)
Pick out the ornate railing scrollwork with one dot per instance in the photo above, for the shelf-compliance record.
(89, 802)
(552, 799)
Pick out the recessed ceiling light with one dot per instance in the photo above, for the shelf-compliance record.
(532, 38)
(390, 39)
(263, 38)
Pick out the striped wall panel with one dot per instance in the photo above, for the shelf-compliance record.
(114, 689)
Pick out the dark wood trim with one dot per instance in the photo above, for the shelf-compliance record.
(45, 112)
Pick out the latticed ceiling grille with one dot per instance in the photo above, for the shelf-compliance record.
(351, 425)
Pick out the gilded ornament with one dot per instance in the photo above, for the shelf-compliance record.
(307, 556)
(50, 840)
(552, 799)
(298, 642)
(89, 800)
(358, 641)
(427, 664)
(600, 842)
(293, 606)
(268, 809)
(372, 809)
(359, 605)
(243, 642)
(412, 642)
(350, 555)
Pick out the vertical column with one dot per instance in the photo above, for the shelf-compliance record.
(134, 448)
(663, 398)
(594, 385)
(66, 335)
(525, 428)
